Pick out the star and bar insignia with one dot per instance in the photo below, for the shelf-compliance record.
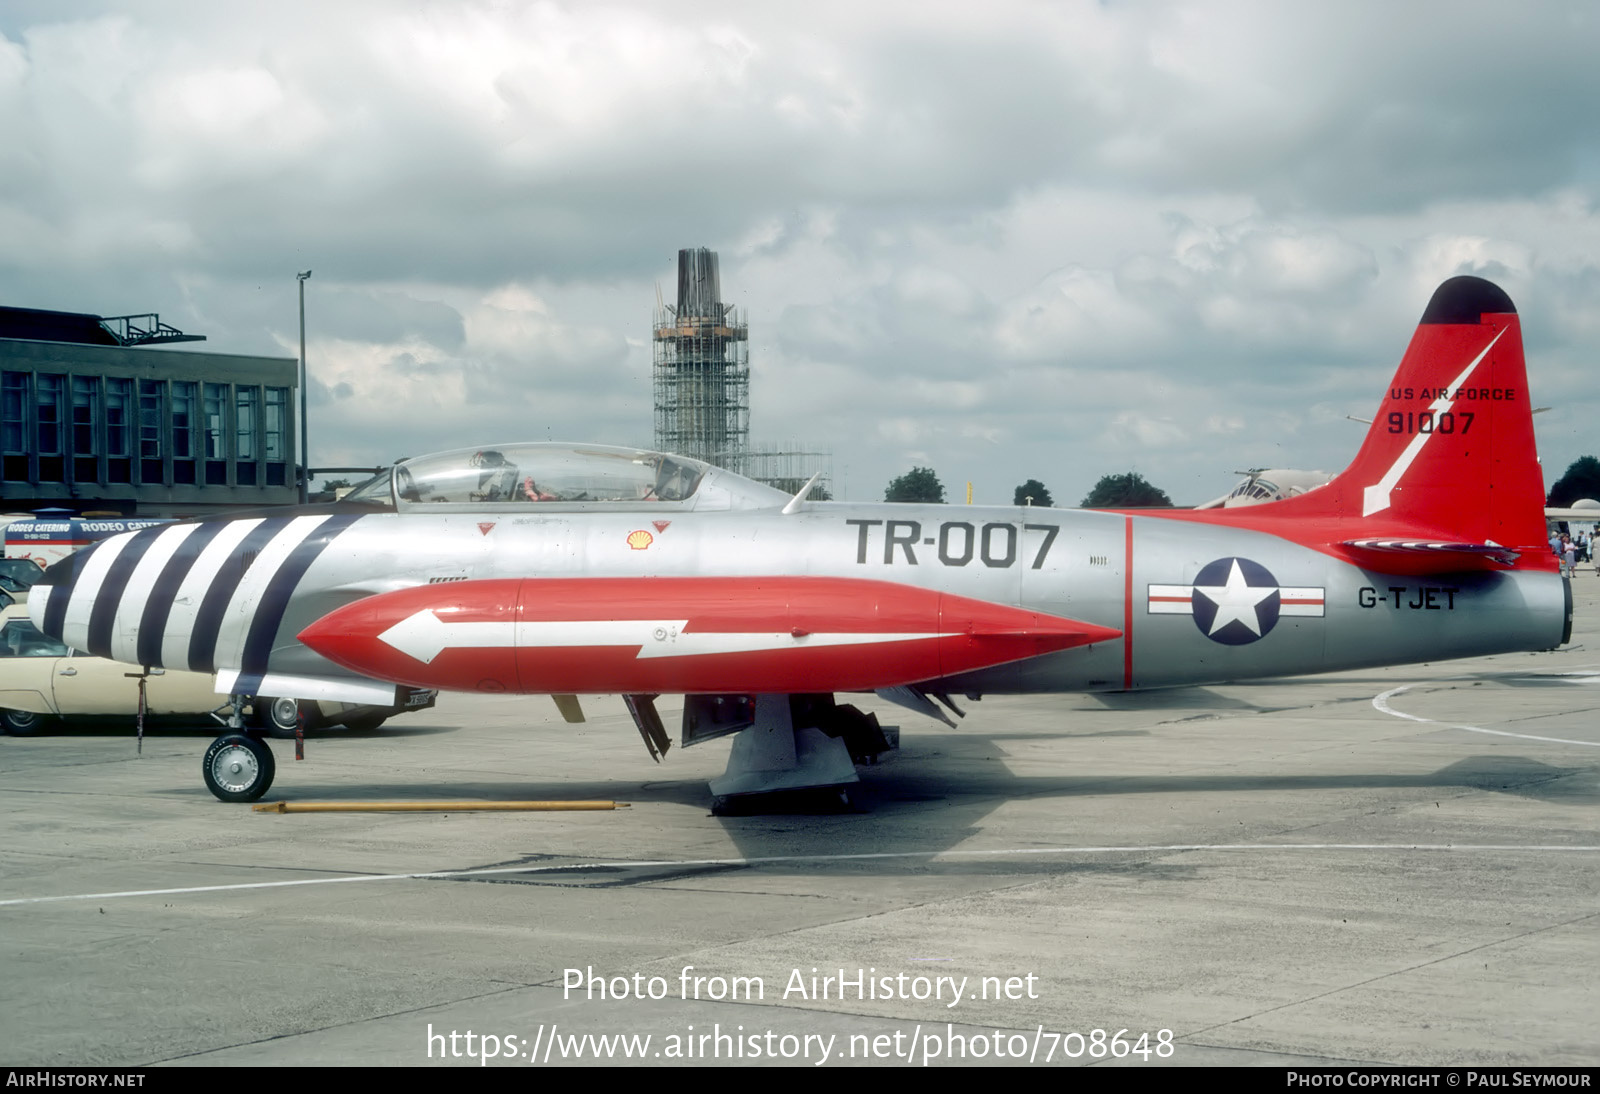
(1235, 601)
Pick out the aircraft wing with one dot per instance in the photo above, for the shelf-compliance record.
(339, 689)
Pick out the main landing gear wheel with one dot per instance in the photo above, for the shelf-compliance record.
(365, 723)
(238, 767)
(23, 723)
(279, 717)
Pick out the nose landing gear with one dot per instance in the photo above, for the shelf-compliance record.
(238, 767)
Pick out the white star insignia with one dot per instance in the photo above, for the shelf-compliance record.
(1235, 601)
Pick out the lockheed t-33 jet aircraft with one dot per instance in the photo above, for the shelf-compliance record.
(569, 569)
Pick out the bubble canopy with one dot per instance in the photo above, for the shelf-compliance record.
(514, 476)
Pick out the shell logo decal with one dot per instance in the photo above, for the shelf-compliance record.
(640, 540)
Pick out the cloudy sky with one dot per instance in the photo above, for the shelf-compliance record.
(1008, 240)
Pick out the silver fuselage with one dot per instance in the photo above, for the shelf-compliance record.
(239, 603)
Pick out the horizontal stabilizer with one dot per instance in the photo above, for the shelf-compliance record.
(1441, 556)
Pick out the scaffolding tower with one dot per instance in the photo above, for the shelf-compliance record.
(787, 467)
(701, 368)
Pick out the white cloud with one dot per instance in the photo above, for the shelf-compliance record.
(1022, 238)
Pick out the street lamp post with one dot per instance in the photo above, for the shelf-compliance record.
(305, 441)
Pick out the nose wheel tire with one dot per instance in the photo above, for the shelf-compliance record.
(238, 768)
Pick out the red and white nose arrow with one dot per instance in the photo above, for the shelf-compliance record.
(424, 636)
(678, 635)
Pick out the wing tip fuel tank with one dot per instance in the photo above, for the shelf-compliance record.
(680, 635)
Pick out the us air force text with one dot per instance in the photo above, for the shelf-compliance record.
(858, 985)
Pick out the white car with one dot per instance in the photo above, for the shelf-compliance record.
(42, 680)
(17, 576)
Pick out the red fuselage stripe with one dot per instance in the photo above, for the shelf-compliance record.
(1127, 603)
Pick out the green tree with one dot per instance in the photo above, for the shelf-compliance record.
(918, 484)
(329, 491)
(1036, 491)
(1129, 491)
(1582, 480)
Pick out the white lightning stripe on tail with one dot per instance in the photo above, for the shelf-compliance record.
(1375, 498)
(423, 636)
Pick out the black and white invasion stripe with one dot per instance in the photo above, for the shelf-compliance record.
(185, 596)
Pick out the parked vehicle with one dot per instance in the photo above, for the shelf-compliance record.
(17, 576)
(43, 681)
(48, 539)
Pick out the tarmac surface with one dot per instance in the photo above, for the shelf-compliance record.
(1389, 867)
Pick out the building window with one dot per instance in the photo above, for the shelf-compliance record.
(150, 393)
(50, 395)
(85, 428)
(216, 401)
(214, 428)
(277, 404)
(246, 401)
(277, 417)
(183, 407)
(152, 409)
(14, 426)
(119, 424)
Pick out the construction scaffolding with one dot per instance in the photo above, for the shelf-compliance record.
(701, 368)
(787, 467)
(701, 373)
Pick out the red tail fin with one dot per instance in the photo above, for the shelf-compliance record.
(1450, 454)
